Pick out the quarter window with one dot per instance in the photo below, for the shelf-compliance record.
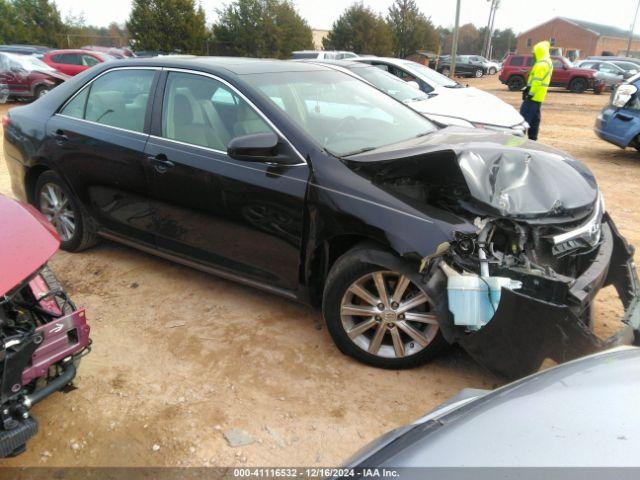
(118, 99)
(516, 61)
(202, 111)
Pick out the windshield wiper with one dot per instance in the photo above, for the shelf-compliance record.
(424, 134)
(356, 152)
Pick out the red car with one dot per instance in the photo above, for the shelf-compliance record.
(27, 77)
(515, 71)
(43, 334)
(72, 62)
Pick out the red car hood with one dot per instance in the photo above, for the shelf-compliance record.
(27, 241)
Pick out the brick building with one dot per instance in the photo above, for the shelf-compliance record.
(579, 39)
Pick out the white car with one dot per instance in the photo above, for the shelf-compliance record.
(322, 55)
(439, 98)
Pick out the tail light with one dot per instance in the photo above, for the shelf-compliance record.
(5, 121)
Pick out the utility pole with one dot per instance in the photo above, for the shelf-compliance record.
(633, 27)
(496, 4)
(454, 43)
(487, 33)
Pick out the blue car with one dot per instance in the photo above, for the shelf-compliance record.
(619, 122)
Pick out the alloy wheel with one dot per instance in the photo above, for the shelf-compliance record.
(478, 73)
(55, 205)
(387, 315)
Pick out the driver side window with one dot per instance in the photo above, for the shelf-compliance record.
(202, 111)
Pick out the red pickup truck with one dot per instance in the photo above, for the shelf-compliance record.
(515, 70)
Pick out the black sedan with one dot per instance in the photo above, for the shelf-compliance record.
(464, 67)
(307, 182)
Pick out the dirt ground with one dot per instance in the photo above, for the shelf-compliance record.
(180, 357)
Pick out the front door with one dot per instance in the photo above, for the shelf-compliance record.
(238, 217)
(97, 143)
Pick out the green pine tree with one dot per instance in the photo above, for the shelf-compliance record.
(359, 29)
(261, 28)
(167, 26)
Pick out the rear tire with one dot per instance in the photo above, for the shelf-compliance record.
(75, 239)
(395, 349)
(515, 83)
(493, 71)
(578, 85)
(445, 71)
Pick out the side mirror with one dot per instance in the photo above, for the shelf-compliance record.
(413, 84)
(258, 147)
(255, 147)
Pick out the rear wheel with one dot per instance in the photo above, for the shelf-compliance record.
(578, 85)
(378, 316)
(515, 83)
(445, 71)
(57, 203)
(492, 71)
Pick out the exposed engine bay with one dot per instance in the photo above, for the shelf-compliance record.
(42, 338)
(530, 245)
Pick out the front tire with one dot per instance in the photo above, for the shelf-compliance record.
(478, 73)
(378, 316)
(55, 200)
(493, 71)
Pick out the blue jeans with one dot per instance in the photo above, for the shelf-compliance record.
(530, 110)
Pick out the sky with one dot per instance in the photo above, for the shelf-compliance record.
(520, 15)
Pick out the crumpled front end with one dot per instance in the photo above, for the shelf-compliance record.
(545, 310)
(529, 247)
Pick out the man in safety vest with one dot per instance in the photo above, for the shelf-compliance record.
(537, 84)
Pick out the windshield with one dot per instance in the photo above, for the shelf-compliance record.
(627, 66)
(28, 62)
(343, 114)
(389, 84)
(429, 75)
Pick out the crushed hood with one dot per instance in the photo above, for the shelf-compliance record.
(512, 176)
(470, 104)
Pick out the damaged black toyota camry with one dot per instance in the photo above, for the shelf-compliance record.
(307, 182)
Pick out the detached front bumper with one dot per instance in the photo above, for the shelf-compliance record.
(527, 329)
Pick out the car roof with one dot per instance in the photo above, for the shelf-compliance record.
(349, 63)
(391, 60)
(72, 50)
(236, 65)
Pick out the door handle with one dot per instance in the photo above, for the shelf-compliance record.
(161, 163)
(60, 137)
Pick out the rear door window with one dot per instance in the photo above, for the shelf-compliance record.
(118, 99)
(516, 61)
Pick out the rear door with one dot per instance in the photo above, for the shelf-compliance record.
(97, 142)
(236, 217)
